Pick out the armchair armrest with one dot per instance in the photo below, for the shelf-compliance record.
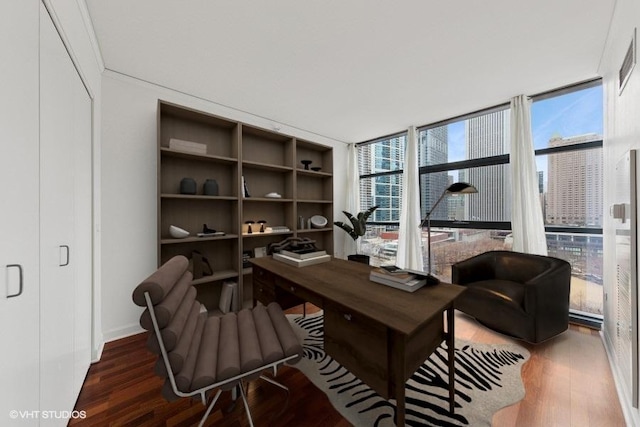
(474, 269)
(549, 291)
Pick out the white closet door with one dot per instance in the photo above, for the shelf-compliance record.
(65, 225)
(83, 253)
(19, 315)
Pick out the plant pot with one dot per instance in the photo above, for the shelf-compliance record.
(364, 259)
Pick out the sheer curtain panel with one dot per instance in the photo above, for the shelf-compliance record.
(409, 237)
(527, 222)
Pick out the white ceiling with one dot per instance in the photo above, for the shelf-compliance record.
(353, 70)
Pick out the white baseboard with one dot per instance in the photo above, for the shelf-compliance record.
(631, 414)
(120, 333)
(97, 354)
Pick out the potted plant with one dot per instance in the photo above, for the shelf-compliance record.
(357, 229)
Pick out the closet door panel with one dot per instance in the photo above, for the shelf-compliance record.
(83, 252)
(19, 316)
(65, 225)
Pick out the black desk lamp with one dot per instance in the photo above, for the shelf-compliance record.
(455, 188)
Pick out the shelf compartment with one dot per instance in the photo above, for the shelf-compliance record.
(263, 147)
(174, 169)
(275, 214)
(311, 188)
(221, 253)
(190, 214)
(307, 210)
(218, 134)
(262, 182)
(320, 156)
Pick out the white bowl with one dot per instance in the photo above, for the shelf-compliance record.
(318, 221)
(177, 232)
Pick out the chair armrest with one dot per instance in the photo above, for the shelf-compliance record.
(474, 269)
(549, 290)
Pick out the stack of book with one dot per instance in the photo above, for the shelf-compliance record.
(409, 281)
(302, 257)
(228, 297)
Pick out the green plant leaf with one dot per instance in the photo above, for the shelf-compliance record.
(358, 225)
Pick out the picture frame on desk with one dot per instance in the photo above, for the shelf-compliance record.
(246, 255)
(260, 252)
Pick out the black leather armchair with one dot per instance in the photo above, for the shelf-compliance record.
(522, 295)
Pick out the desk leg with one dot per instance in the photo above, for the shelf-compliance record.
(398, 356)
(451, 358)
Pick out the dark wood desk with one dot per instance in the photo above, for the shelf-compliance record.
(381, 334)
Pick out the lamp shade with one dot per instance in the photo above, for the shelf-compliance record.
(461, 188)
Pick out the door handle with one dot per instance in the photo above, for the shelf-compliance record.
(67, 255)
(21, 281)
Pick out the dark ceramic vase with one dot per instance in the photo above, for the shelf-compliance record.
(210, 187)
(188, 186)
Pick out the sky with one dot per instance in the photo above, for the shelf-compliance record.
(572, 114)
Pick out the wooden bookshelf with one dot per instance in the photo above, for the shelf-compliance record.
(269, 162)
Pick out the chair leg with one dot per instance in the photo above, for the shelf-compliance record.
(274, 382)
(246, 405)
(206, 414)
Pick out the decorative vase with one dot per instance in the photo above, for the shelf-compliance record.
(210, 187)
(188, 186)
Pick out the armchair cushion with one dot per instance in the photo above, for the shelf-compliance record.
(506, 291)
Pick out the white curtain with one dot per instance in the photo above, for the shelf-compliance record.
(526, 210)
(409, 238)
(352, 202)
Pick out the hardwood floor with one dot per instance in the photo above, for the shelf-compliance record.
(568, 382)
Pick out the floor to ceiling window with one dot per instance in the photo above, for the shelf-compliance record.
(567, 129)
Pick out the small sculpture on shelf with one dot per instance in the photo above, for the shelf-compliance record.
(177, 232)
(306, 163)
(292, 243)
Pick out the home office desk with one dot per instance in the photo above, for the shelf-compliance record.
(380, 334)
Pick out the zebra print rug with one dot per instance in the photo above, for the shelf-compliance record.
(487, 379)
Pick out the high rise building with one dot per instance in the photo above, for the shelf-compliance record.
(485, 136)
(574, 192)
(384, 191)
(432, 150)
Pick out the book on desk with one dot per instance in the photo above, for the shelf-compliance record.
(409, 281)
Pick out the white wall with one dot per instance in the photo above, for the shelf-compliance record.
(621, 133)
(128, 166)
